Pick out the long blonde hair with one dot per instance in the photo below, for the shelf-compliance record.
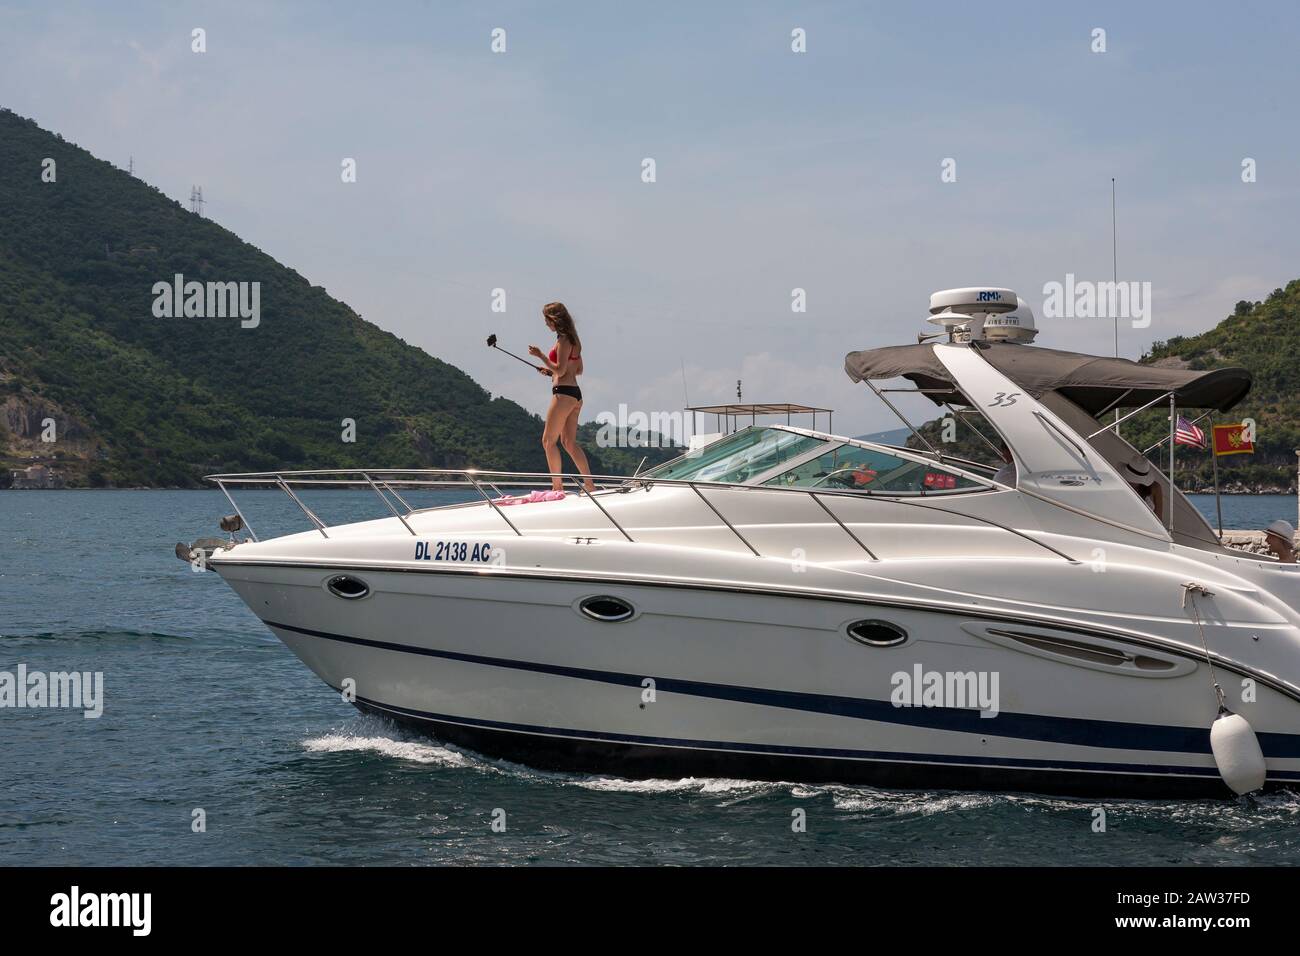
(564, 327)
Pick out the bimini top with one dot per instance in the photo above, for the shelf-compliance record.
(1095, 384)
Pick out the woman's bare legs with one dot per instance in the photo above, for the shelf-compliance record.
(569, 438)
(556, 415)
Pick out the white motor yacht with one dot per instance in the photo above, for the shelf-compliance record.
(789, 604)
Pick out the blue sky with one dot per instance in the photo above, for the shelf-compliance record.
(775, 170)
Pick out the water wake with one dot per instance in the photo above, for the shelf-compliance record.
(376, 736)
(372, 734)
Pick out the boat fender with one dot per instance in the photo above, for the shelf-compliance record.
(205, 546)
(1236, 752)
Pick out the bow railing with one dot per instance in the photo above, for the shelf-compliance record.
(385, 483)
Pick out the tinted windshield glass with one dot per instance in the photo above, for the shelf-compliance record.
(738, 457)
(872, 471)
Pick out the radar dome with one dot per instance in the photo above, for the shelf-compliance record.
(1015, 326)
(985, 299)
(983, 312)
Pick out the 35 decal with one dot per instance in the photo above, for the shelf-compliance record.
(452, 551)
(1003, 399)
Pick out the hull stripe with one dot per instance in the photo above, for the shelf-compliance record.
(888, 756)
(1075, 731)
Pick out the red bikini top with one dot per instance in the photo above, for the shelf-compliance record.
(555, 355)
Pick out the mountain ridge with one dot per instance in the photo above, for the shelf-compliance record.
(139, 400)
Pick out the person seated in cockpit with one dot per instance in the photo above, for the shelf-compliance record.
(1279, 538)
(1141, 478)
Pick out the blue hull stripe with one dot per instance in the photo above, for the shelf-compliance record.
(783, 750)
(1075, 731)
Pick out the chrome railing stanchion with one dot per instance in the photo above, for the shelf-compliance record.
(592, 499)
(320, 525)
(393, 492)
(247, 527)
(492, 504)
(389, 504)
(994, 524)
(813, 495)
(723, 520)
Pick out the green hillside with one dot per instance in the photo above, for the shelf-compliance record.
(142, 400)
(1263, 337)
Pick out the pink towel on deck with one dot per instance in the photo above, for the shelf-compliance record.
(530, 498)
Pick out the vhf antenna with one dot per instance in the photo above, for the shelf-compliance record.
(1114, 268)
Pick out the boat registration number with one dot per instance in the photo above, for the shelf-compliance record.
(452, 551)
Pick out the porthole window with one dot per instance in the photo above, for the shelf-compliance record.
(877, 633)
(347, 587)
(606, 608)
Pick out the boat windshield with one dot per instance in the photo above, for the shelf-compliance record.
(872, 471)
(738, 458)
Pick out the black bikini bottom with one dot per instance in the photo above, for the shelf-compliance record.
(570, 390)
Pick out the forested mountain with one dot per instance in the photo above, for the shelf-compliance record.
(139, 399)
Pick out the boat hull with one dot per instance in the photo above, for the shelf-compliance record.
(715, 681)
(574, 752)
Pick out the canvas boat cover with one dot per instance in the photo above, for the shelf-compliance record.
(1093, 383)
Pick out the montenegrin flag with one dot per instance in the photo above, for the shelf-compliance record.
(1231, 440)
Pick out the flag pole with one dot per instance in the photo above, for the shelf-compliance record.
(1173, 425)
(1214, 457)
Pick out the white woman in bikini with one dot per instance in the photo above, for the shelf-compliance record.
(563, 364)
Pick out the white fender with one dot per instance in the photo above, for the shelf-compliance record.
(1236, 752)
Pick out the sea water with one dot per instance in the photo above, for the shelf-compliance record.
(217, 746)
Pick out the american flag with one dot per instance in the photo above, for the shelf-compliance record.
(1188, 434)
